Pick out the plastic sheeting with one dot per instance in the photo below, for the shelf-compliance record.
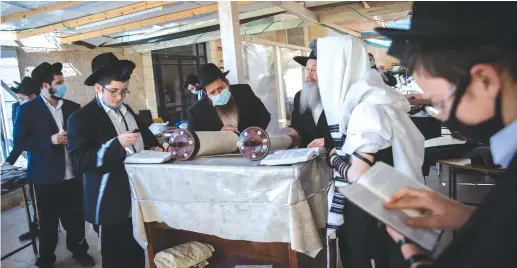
(233, 198)
(261, 72)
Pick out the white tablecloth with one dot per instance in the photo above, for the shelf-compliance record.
(233, 198)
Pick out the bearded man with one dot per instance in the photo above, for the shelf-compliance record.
(308, 116)
(225, 107)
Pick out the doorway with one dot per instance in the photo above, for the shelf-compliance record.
(171, 67)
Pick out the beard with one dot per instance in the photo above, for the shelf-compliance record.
(228, 113)
(310, 95)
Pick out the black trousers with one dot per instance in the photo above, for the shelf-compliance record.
(363, 238)
(119, 248)
(61, 201)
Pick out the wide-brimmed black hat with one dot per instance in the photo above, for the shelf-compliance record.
(208, 73)
(109, 63)
(192, 79)
(302, 60)
(457, 20)
(26, 87)
(44, 69)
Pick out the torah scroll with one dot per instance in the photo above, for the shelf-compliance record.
(186, 144)
(254, 143)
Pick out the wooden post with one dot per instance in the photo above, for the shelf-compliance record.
(231, 41)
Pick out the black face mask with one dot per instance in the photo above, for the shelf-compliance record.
(480, 132)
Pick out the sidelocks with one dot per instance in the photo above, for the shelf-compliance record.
(253, 143)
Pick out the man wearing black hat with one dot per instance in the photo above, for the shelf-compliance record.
(463, 56)
(26, 91)
(40, 129)
(308, 116)
(100, 136)
(192, 84)
(226, 107)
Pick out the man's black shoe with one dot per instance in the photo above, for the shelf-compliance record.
(46, 262)
(84, 259)
(27, 235)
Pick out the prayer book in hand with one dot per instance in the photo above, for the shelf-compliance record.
(375, 188)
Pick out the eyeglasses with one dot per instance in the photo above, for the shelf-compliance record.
(309, 70)
(115, 93)
(437, 111)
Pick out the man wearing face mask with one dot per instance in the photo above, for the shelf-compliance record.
(226, 107)
(466, 62)
(101, 135)
(40, 129)
(192, 84)
(387, 77)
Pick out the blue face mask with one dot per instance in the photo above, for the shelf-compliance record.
(222, 98)
(372, 63)
(60, 91)
(195, 91)
(23, 101)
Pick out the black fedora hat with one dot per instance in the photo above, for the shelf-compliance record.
(192, 79)
(44, 69)
(457, 20)
(109, 63)
(208, 73)
(302, 60)
(26, 87)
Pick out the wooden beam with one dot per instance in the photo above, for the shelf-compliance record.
(371, 37)
(343, 29)
(147, 22)
(36, 11)
(298, 10)
(365, 5)
(138, 7)
(349, 14)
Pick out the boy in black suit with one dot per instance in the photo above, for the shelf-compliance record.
(40, 129)
(225, 107)
(100, 136)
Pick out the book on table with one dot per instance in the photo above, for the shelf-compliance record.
(375, 188)
(292, 156)
(148, 157)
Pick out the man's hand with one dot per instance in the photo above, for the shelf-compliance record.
(127, 139)
(59, 138)
(229, 128)
(157, 149)
(316, 143)
(439, 212)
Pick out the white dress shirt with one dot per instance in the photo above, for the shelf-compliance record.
(118, 123)
(57, 114)
(316, 112)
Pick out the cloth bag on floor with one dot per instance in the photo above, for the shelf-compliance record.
(190, 254)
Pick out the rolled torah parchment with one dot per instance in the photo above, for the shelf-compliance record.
(255, 143)
(186, 144)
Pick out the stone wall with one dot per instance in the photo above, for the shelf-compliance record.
(77, 66)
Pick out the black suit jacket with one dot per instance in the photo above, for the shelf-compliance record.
(96, 152)
(489, 237)
(202, 115)
(33, 129)
(304, 123)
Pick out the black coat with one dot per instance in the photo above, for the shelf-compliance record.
(489, 237)
(202, 115)
(15, 153)
(304, 123)
(96, 152)
(33, 129)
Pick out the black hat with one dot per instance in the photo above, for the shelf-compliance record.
(457, 20)
(26, 87)
(208, 73)
(44, 69)
(302, 60)
(109, 63)
(192, 79)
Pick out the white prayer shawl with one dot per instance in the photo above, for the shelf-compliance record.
(361, 107)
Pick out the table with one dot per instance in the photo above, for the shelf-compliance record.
(251, 214)
(29, 220)
(463, 163)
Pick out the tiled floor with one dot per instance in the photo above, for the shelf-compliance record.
(14, 223)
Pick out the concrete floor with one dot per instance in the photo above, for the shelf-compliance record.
(471, 188)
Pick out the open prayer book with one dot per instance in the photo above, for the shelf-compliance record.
(375, 188)
(291, 156)
(148, 157)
